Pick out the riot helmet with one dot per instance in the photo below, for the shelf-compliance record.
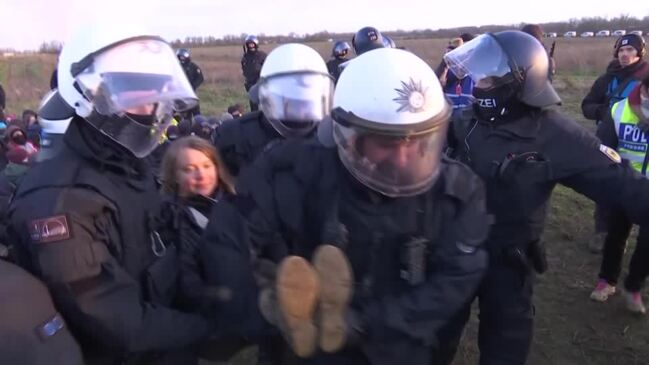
(251, 43)
(184, 56)
(53, 117)
(340, 49)
(125, 82)
(367, 39)
(295, 90)
(390, 119)
(509, 68)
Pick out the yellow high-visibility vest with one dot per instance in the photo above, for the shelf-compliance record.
(632, 142)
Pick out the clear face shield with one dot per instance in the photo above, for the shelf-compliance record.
(483, 60)
(135, 87)
(390, 164)
(295, 103)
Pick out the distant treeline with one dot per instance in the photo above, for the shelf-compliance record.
(594, 24)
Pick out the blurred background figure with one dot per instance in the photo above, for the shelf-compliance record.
(458, 90)
(367, 39)
(339, 55)
(194, 75)
(623, 73)
(251, 62)
(236, 110)
(16, 138)
(536, 31)
(32, 127)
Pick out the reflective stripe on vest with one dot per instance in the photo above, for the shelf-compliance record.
(632, 142)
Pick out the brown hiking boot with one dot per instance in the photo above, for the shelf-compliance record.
(336, 282)
(296, 288)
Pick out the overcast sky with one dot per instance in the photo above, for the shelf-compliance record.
(28, 23)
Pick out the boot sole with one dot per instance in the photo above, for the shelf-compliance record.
(336, 283)
(297, 295)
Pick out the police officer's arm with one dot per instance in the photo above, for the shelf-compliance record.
(595, 104)
(458, 267)
(580, 162)
(73, 249)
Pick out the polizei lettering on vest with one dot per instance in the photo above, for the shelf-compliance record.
(631, 133)
(487, 103)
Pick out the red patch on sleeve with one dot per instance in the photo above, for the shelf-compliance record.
(50, 229)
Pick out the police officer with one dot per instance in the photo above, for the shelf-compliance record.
(624, 129)
(410, 222)
(31, 330)
(293, 92)
(521, 148)
(366, 39)
(251, 64)
(194, 74)
(622, 75)
(86, 222)
(2, 99)
(338, 56)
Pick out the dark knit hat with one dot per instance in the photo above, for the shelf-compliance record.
(632, 40)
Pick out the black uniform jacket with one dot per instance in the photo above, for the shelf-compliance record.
(521, 162)
(596, 103)
(241, 140)
(251, 63)
(87, 222)
(298, 196)
(194, 74)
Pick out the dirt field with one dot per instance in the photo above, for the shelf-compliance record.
(570, 329)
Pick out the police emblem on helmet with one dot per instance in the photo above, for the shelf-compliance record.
(372, 35)
(412, 97)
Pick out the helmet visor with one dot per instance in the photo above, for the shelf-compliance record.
(391, 165)
(137, 133)
(135, 74)
(482, 59)
(295, 103)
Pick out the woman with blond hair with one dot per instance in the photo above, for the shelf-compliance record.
(215, 275)
(194, 179)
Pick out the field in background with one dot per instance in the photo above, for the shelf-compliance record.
(570, 329)
(26, 78)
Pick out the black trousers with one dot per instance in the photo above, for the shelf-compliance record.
(601, 216)
(619, 228)
(506, 319)
(253, 106)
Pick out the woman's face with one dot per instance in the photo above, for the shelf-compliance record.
(195, 173)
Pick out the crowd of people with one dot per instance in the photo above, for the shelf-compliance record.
(351, 216)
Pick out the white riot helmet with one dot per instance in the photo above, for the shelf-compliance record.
(125, 82)
(53, 114)
(53, 117)
(390, 118)
(295, 90)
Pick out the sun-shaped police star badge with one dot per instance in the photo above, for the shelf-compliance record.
(412, 96)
